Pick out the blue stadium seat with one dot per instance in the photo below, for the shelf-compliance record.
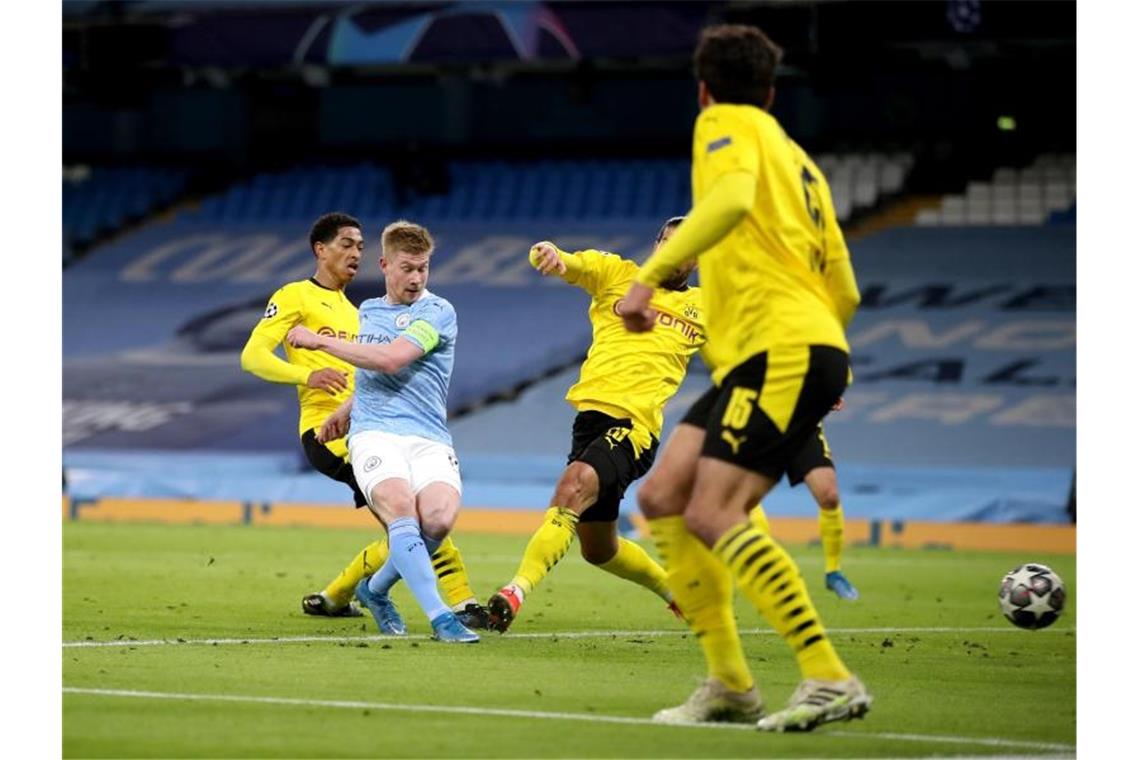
(105, 199)
(479, 190)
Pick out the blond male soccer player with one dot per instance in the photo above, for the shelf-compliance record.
(323, 383)
(779, 291)
(398, 441)
(623, 387)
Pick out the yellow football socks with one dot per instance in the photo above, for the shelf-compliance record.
(452, 574)
(447, 562)
(546, 547)
(831, 536)
(364, 564)
(771, 581)
(702, 588)
(632, 563)
(757, 517)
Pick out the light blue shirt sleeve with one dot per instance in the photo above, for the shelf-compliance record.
(433, 324)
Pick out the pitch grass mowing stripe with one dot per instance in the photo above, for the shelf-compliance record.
(534, 714)
(548, 635)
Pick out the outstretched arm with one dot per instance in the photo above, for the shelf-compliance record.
(388, 358)
(549, 260)
(258, 357)
(590, 270)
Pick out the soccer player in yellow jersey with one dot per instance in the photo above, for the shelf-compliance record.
(323, 383)
(779, 291)
(623, 387)
(811, 465)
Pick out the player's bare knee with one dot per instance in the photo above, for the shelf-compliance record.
(596, 556)
(656, 499)
(702, 524)
(392, 504)
(577, 488)
(828, 499)
(437, 525)
(598, 553)
(438, 507)
(826, 492)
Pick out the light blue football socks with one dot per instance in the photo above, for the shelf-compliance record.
(382, 581)
(410, 559)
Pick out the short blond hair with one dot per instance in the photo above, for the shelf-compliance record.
(406, 236)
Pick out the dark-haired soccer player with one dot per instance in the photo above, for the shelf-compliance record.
(779, 292)
(623, 387)
(323, 383)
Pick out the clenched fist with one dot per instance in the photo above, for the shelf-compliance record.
(544, 257)
(328, 379)
(303, 337)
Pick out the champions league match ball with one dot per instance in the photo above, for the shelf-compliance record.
(1031, 596)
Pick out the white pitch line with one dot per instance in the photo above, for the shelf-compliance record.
(548, 635)
(534, 714)
(812, 558)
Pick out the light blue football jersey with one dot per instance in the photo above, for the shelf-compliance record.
(414, 400)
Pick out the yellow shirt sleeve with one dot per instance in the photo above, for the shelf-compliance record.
(258, 358)
(723, 142)
(711, 219)
(590, 270)
(839, 276)
(844, 291)
(726, 164)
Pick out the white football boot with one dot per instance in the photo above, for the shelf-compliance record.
(817, 702)
(713, 702)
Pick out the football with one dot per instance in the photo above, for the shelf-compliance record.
(1031, 596)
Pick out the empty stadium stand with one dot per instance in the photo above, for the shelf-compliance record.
(100, 200)
(1031, 195)
(859, 181)
(504, 191)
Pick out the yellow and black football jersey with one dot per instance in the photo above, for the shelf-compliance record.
(764, 281)
(632, 374)
(324, 311)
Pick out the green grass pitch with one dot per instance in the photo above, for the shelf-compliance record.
(210, 656)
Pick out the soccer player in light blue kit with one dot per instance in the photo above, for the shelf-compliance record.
(396, 422)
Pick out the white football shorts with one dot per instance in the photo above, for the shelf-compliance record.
(377, 456)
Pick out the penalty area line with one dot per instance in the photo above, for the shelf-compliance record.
(525, 635)
(540, 715)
